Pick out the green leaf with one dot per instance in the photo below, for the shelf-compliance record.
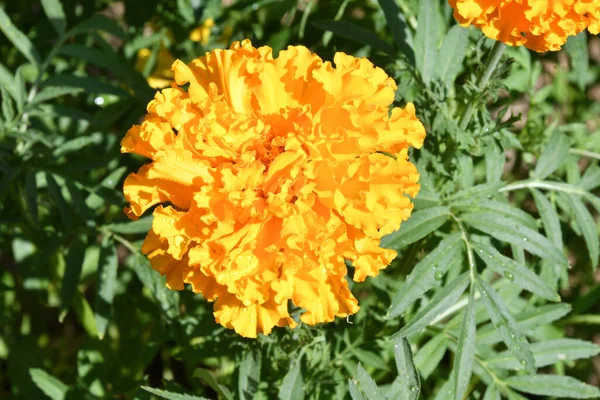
(482, 190)
(397, 24)
(465, 349)
(368, 385)
(142, 225)
(52, 92)
(548, 352)
(553, 385)
(31, 194)
(494, 164)
(549, 218)
(506, 326)
(449, 60)
(429, 356)
(587, 225)
(419, 225)
(292, 386)
(466, 174)
(492, 393)
(55, 13)
(8, 110)
(553, 156)
(56, 194)
(425, 45)
(249, 375)
(355, 393)
(167, 299)
(409, 377)
(107, 280)
(369, 358)
(74, 265)
(591, 178)
(577, 49)
(100, 58)
(426, 274)
(18, 38)
(211, 381)
(526, 320)
(88, 84)
(51, 386)
(8, 82)
(449, 295)
(171, 395)
(98, 22)
(521, 236)
(515, 272)
(516, 215)
(356, 33)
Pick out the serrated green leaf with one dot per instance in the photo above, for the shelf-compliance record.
(449, 295)
(548, 352)
(171, 395)
(397, 24)
(106, 282)
(249, 375)
(504, 209)
(356, 33)
(577, 49)
(519, 235)
(506, 326)
(74, 265)
(55, 13)
(429, 356)
(211, 381)
(292, 386)
(527, 320)
(553, 385)
(515, 272)
(549, 218)
(51, 386)
(425, 45)
(368, 385)
(450, 56)
(355, 393)
(419, 225)
(587, 225)
(477, 191)
(553, 156)
(18, 38)
(465, 350)
(426, 274)
(410, 381)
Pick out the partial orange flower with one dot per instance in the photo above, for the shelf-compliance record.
(268, 174)
(539, 25)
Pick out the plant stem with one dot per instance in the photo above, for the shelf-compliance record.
(495, 57)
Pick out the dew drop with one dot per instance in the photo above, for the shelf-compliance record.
(524, 239)
(523, 362)
(509, 276)
(109, 182)
(413, 389)
(481, 251)
(438, 275)
(562, 356)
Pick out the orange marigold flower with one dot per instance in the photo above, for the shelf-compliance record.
(273, 174)
(539, 25)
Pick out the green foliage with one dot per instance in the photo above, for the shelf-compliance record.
(505, 226)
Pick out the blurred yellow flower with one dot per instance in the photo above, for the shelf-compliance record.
(271, 173)
(162, 75)
(202, 33)
(539, 25)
